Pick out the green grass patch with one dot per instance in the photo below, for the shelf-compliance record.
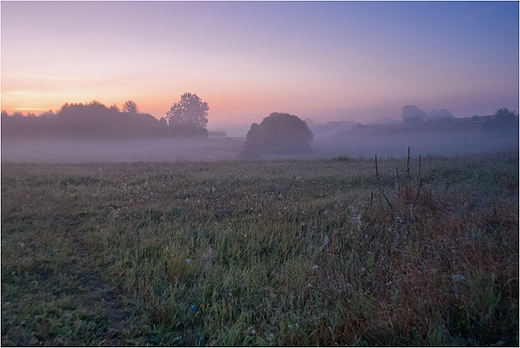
(283, 252)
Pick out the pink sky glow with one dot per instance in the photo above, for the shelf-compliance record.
(359, 61)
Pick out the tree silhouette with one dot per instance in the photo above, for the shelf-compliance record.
(280, 133)
(130, 107)
(77, 120)
(412, 114)
(188, 117)
(443, 115)
(504, 116)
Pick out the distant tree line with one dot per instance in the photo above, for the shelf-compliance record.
(412, 114)
(78, 120)
(188, 117)
(503, 119)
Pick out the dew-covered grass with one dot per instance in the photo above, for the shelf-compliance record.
(283, 252)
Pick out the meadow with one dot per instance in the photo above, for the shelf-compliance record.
(339, 251)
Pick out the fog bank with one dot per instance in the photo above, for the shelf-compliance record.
(390, 140)
(90, 150)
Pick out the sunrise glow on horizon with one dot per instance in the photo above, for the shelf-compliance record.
(326, 61)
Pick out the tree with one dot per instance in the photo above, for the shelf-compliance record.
(504, 116)
(280, 133)
(93, 119)
(443, 115)
(254, 136)
(89, 120)
(114, 107)
(189, 116)
(504, 122)
(130, 107)
(412, 114)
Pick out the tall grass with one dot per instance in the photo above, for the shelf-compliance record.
(314, 252)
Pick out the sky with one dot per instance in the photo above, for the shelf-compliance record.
(327, 61)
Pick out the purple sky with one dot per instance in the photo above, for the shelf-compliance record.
(359, 61)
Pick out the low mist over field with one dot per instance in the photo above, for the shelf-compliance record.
(367, 141)
(436, 139)
(88, 150)
(95, 132)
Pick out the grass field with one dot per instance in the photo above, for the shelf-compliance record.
(286, 252)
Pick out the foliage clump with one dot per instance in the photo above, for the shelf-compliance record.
(188, 117)
(280, 133)
(93, 120)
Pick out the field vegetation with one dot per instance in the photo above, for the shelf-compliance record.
(415, 251)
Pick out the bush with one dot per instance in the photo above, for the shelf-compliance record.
(280, 133)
